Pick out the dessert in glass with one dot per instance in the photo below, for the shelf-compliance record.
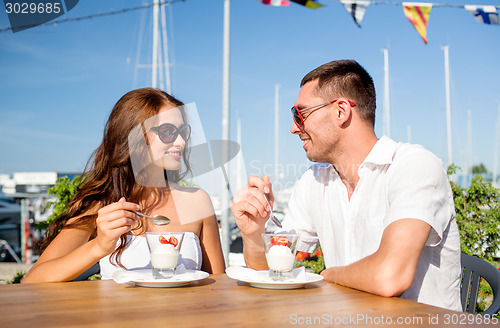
(164, 249)
(280, 252)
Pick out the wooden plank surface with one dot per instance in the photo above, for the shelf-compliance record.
(217, 301)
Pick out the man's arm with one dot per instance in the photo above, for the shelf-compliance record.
(390, 270)
(251, 212)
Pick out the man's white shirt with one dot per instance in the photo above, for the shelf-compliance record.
(397, 181)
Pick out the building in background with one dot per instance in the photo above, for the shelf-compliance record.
(24, 193)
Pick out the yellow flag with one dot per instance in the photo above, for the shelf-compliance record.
(418, 14)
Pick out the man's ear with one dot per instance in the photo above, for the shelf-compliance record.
(344, 111)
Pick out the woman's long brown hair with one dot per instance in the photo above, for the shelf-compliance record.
(111, 176)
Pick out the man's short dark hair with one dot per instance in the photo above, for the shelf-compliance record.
(346, 78)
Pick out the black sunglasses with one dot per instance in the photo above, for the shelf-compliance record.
(168, 132)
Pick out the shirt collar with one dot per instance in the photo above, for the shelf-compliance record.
(382, 153)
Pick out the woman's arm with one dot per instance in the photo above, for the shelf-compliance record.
(213, 260)
(67, 256)
(71, 252)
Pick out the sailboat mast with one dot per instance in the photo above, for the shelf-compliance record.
(497, 145)
(154, 65)
(166, 63)
(387, 115)
(276, 130)
(448, 105)
(225, 238)
(468, 167)
(239, 161)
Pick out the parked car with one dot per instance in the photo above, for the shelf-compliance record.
(10, 229)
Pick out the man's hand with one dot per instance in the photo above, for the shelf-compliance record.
(250, 208)
(251, 213)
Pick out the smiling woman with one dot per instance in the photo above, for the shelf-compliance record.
(159, 145)
(136, 167)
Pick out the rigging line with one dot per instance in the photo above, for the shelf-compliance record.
(109, 13)
(172, 43)
(139, 47)
(395, 3)
(164, 39)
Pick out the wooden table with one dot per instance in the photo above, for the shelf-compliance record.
(216, 301)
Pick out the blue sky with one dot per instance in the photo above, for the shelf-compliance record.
(59, 83)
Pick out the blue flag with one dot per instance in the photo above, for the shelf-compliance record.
(484, 14)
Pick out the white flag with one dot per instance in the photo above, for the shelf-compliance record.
(356, 8)
(484, 14)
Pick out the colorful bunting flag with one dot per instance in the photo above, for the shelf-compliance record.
(356, 8)
(484, 14)
(308, 3)
(418, 14)
(276, 3)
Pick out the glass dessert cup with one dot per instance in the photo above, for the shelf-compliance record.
(280, 252)
(164, 250)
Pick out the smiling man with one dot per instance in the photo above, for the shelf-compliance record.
(383, 211)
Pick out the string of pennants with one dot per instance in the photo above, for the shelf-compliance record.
(416, 12)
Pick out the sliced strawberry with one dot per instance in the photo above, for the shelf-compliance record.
(279, 240)
(173, 241)
(163, 240)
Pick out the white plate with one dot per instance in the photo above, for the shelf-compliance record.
(184, 279)
(260, 279)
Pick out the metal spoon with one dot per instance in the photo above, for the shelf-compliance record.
(272, 217)
(157, 219)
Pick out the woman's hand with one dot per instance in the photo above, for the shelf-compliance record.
(114, 220)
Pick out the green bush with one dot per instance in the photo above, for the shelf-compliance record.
(478, 216)
(64, 189)
(478, 220)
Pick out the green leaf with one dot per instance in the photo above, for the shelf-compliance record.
(17, 278)
(63, 191)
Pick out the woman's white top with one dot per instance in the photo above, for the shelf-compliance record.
(136, 255)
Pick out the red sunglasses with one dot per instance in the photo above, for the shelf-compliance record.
(297, 112)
